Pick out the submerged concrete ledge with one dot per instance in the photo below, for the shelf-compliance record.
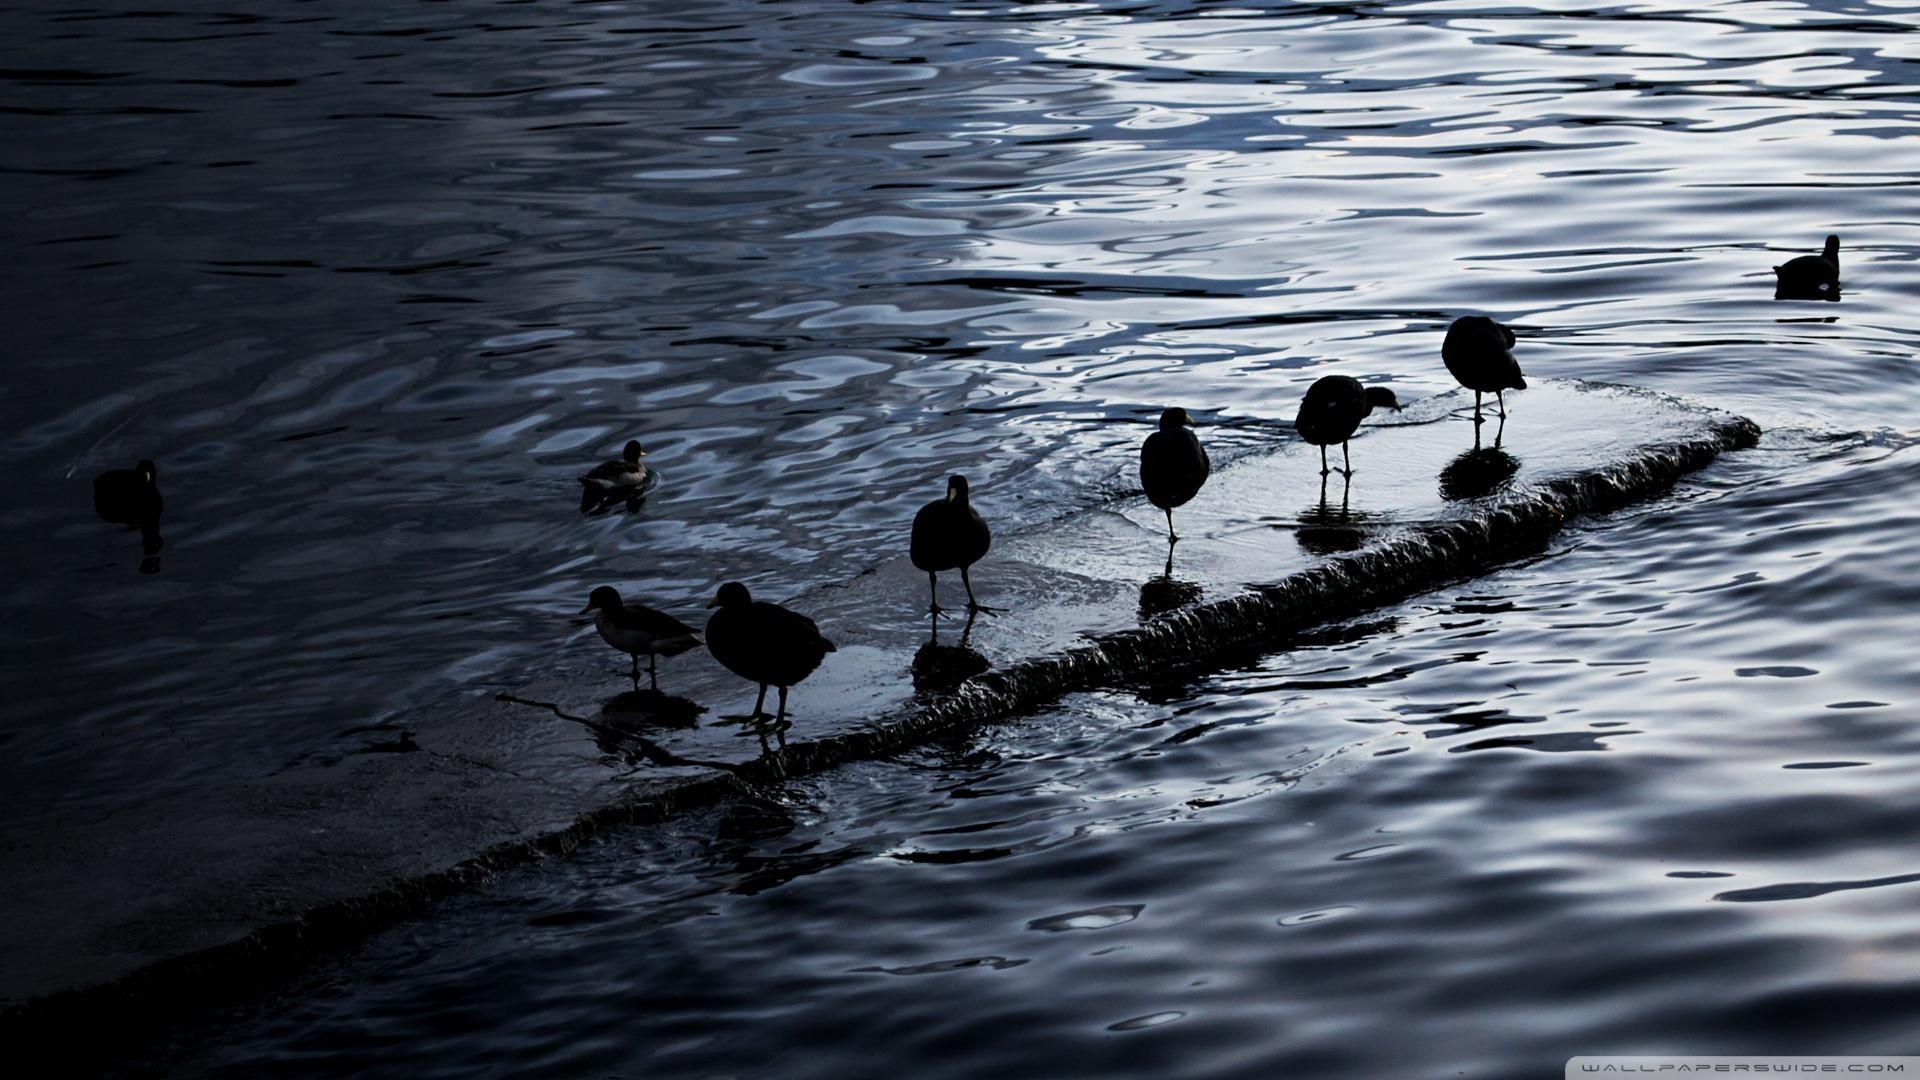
(118, 927)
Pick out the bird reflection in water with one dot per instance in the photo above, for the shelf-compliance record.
(1328, 530)
(1477, 473)
(1159, 595)
(940, 669)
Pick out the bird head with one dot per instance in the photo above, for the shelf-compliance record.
(1379, 397)
(732, 594)
(148, 474)
(604, 598)
(634, 452)
(957, 488)
(1175, 418)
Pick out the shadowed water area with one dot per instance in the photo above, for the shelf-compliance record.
(373, 283)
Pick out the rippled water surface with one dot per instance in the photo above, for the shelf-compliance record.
(373, 282)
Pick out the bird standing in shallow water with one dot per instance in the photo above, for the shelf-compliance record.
(950, 533)
(613, 477)
(763, 643)
(1332, 410)
(636, 629)
(1173, 465)
(1478, 353)
(1810, 277)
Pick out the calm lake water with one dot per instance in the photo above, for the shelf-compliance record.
(372, 283)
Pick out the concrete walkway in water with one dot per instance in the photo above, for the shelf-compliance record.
(150, 912)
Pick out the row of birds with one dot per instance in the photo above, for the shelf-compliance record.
(774, 646)
(777, 647)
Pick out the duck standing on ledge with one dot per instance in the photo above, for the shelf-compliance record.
(129, 496)
(636, 629)
(1332, 410)
(950, 533)
(1478, 353)
(1810, 277)
(1173, 465)
(617, 477)
(763, 643)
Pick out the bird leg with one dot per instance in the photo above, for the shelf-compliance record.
(1345, 460)
(1323, 462)
(1477, 418)
(933, 595)
(760, 703)
(653, 671)
(972, 604)
(1171, 538)
(1501, 397)
(634, 674)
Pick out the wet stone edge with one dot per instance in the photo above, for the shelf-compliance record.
(100, 1020)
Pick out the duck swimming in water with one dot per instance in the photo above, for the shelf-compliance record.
(129, 496)
(1810, 277)
(1173, 465)
(617, 477)
(949, 533)
(1332, 410)
(763, 643)
(1478, 353)
(635, 629)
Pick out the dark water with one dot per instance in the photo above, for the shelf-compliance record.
(373, 282)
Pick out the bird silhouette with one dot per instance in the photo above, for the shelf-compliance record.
(950, 533)
(635, 629)
(1332, 410)
(1478, 353)
(1173, 465)
(1810, 277)
(763, 643)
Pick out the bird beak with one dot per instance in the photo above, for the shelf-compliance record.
(1189, 421)
(586, 609)
(949, 494)
(715, 602)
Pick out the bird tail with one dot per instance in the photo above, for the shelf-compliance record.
(1519, 382)
(827, 645)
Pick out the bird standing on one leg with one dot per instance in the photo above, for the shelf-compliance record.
(1478, 353)
(1173, 465)
(763, 643)
(636, 629)
(1810, 277)
(1332, 410)
(949, 533)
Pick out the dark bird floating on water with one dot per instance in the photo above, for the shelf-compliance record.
(635, 629)
(1478, 352)
(1810, 277)
(763, 643)
(128, 496)
(1332, 410)
(1173, 465)
(949, 533)
(618, 477)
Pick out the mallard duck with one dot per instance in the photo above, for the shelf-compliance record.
(949, 533)
(1332, 410)
(614, 477)
(1477, 352)
(635, 629)
(763, 643)
(1810, 277)
(1173, 465)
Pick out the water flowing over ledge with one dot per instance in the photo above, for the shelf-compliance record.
(129, 921)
